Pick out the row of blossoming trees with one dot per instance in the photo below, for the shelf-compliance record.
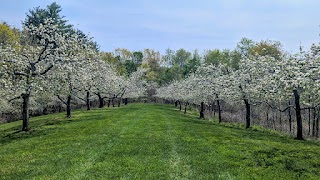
(53, 66)
(282, 84)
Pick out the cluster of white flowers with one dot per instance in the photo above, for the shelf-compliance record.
(135, 86)
(205, 85)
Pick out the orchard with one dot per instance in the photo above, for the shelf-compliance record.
(49, 66)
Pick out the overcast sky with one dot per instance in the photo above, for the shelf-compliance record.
(189, 24)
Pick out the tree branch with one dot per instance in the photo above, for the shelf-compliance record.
(256, 103)
(290, 106)
(61, 100)
(85, 100)
(311, 107)
(25, 56)
(48, 69)
(18, 97)
(124, 91)
(20, 74)
(44, 72)
(41, 53)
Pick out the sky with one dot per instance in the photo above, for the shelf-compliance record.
(188, 24)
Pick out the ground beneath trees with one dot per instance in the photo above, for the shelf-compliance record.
(147, 141)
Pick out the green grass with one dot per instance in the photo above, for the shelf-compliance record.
(147, 141)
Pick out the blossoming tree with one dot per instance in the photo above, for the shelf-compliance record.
(26, 65)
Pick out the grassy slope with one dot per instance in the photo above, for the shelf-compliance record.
(143, 141)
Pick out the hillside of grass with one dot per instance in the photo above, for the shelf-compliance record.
(148, 141)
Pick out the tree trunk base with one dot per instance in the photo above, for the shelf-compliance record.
(202, 110)
(297, 138)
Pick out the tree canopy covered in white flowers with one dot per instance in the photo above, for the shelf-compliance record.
(26, 65)
(260, 79)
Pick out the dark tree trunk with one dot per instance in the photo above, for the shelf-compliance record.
(176, 103)
(267, 117)
(246, 102)
(210, 110)
(317, 123)
(101, 104)
(202, 110)
(298, 114)
(314, 122)
(317, 127)
(109, 103)
(25, 112)
(219, 110)
(112, 102)
(290, 118)
(45, 111)
(247, 105)
(185, 108)
(180, 105)
(119, 102)
(69, 107)
(88, 100)
(309, 121)
(125, 101)
(274, 120)
(280, 120)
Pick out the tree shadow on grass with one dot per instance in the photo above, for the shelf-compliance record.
(44, 126)
(239, 131)
(21, 135)
(38, 128)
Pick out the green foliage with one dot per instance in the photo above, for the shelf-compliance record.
(168, 58)
(181, 58)
(245, 46)
(235, 58)
(123, 60)
(167, 75)
(8, 35)
(144, 141)
(123, 54)
(268, 47)
(86, 38)
(133, 61)
(216, 57)
(114, 61)
(178, 64)
(192, 64)
(37, 16)
(248, 47)
(152, 59)
(226, 57)
(137, 57)
(130, 66)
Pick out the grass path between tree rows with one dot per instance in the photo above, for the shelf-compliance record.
(149, 141)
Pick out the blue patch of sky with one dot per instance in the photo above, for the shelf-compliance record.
(189, 24)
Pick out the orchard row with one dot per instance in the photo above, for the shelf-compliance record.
(282, 83)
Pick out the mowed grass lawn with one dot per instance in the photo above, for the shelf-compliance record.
(148, 141)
